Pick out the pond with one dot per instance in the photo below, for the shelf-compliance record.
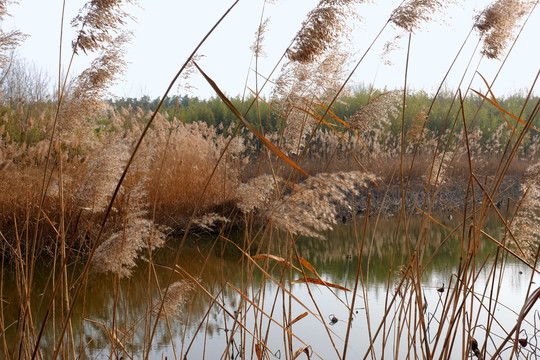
(252, 303)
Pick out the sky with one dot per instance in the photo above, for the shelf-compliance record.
(167, 31)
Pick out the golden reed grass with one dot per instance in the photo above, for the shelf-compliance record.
(66, 194)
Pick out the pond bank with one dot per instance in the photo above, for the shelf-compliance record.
(450, 198)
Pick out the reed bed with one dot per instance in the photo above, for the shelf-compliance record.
(133, 233)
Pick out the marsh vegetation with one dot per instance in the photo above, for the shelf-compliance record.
(320, 220)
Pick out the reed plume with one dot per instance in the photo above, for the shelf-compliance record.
(84, 99)
(102, 174)
(496, 24)
(99, 29)
(378, 111)
(177, 297)
(8, 40)
(314, 205)
(302, 84)
(411, 14)
(417, 131)
(98, 24)
(315, 71)
(118, 253)
(257, 193)
(120, 250)
(324, 26)
(436, 175)
(525, 225)
(209, 221)
(257, 46)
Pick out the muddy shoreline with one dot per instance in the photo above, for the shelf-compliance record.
(386, 200)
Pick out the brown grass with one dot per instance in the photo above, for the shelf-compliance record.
(90, 187)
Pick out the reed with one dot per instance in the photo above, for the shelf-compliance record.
(133, 233)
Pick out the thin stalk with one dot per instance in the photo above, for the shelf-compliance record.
(359, 251)
(124, 173)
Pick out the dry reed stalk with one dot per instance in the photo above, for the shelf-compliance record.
(214, 301)
(359, 251)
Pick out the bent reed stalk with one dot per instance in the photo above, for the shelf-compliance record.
(200, 238)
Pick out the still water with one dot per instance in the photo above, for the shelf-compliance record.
(238, 299)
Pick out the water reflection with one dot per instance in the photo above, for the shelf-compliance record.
(220, 323)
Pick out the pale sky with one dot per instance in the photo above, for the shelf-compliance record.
(166, 31)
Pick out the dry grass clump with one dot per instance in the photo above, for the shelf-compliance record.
(189, 153)
(167, 177)
(18, 188)
(497, 22)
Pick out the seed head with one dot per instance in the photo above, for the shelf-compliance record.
(411, 14)
(496, 24)
(98, 23)
(324, 25)
(378, 110)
